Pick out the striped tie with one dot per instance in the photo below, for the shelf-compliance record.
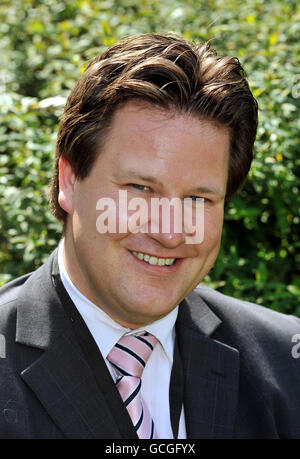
(129, 357)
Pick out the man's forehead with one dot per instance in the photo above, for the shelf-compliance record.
(135, 122)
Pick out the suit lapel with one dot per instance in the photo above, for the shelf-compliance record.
(80, 399)
(66, 387)
(211, 372)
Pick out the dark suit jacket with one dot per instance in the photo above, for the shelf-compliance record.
(240, 377)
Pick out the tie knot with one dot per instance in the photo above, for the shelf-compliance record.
(129, 356)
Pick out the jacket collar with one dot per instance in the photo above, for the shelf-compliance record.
(40, 315)
(195, 314)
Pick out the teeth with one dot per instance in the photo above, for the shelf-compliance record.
(154, 260)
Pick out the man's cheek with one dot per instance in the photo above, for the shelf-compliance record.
(194, 221)
(213, 226)
(115, 219)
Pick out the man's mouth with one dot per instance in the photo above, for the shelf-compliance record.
(154, 260)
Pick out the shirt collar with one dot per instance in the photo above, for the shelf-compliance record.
(104, 329)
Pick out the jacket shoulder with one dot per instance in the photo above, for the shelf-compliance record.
(9, 291)
(258, 332)
(8, 298)
(246, 317)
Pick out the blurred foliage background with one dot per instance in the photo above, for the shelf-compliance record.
(45, 46)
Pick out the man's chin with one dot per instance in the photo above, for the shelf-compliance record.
(151, 312)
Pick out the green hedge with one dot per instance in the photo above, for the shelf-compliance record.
(45, 46)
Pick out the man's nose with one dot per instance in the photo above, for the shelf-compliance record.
(167, 228)
(169, 240)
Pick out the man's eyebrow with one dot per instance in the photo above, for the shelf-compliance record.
(131, 174)
(209, 190)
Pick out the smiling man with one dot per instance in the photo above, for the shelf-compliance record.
(115, 336)
(179, 153)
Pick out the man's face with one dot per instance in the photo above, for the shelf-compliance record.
(148, 153)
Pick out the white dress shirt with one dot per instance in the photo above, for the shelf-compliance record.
(157, 373)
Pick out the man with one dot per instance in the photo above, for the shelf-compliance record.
(114, 337)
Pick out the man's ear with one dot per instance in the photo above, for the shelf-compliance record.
(67, 180)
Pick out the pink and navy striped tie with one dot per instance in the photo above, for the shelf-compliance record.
(129, 357)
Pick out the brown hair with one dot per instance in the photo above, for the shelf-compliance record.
(170, 72)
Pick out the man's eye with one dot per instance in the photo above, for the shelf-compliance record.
(139, 187)
(196, 198)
